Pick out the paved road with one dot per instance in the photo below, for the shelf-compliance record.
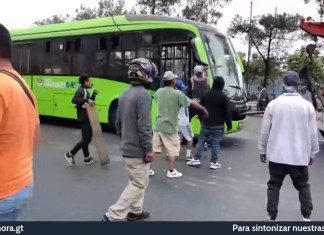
(234, 192)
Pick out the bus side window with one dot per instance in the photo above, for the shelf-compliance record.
(37, 54)
(83, 55)
(57, 60)
(21, 58)
(101, 56)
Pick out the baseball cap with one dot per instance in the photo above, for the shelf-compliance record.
(169, 76)
(291, 78)
(180, 85)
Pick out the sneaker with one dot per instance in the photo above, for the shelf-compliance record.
(70, 158)
(215, 165)
(174, 174)
(307, 219)
(269, 219)
(151, 172)
(105, 219)
(194, 162)
(89, 160)
(189, 158)
(136, 217)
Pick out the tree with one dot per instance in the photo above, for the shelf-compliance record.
(299, 60)
(206, 11)
(320, 8)
(271, 35)
(53, 20)
(256, 73)
(157, 7)
(85, 13)
(105, 8)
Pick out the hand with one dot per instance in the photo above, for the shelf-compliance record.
(90, 102)
(149, 156)
(205, 113)
(311, 161)
(95, 92)
(196, 100)
(263, 158)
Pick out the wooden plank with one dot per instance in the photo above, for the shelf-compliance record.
(97, 135)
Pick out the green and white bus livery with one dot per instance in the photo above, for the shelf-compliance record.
(51, 58)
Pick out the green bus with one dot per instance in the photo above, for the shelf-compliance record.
(51, 58)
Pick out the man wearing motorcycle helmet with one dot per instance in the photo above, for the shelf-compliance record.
(133, 124)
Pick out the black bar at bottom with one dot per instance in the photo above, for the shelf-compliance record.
(159, 228)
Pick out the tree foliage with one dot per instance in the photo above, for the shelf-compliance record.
(256, 73)
(53, 20)
(320, 8)
(104, 8)
(299, 60)
(157, 7)
(206, 11)
(271, 35)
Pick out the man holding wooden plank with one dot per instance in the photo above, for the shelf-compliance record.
(82, 98)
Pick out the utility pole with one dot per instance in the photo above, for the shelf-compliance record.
(250, 43)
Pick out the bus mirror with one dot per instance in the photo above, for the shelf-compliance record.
(198, 47)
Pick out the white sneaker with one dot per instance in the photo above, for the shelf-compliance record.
(151, 172)
(270, 220)
(215, 165)
(189, 158)
(174, 174)
(306, 219)
(194, 162)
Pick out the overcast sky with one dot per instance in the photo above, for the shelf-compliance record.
(22, 13)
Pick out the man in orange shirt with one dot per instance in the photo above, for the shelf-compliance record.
(19, 128)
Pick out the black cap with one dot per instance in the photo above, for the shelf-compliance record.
(291, 78)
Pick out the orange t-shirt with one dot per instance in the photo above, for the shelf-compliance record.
(19, 123)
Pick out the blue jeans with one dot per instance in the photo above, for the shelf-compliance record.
(11, 207)
(215, 135)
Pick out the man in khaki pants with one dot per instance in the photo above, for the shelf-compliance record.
(133, 124)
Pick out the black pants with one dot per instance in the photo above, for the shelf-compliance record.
(299, 177)
(85, 141)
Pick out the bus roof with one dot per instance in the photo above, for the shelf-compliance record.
(108, 24)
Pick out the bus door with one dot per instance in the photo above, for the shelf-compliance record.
(177, 58)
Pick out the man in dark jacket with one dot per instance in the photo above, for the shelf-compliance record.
(82, 98)
(133, 124)
(218, 107)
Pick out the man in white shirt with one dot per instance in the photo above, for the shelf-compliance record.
(289, 141)
(184, 122)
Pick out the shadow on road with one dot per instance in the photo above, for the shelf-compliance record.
(70, 123)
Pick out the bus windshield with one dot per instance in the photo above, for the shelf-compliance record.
(222, 62)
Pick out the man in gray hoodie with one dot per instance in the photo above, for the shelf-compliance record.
(133, 124)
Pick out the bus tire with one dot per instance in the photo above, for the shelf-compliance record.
(112, 114)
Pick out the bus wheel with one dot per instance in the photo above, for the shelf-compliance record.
(112, 114)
